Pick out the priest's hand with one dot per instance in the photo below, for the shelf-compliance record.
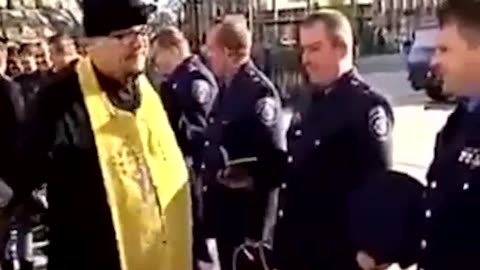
(366, 262)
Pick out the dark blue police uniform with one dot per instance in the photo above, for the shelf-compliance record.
(241, 159)
(451, 234)
(188, 96)
(338, 138)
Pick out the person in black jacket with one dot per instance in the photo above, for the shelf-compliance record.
(33, 79)
(62, 51)
(12, 114)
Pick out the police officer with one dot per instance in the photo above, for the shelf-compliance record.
(451, 234)
(243, 141)
(339, 137)
(189, 90)
(188, 95)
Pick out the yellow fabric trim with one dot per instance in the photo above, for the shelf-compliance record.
(139, 157)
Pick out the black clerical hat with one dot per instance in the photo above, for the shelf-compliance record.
(385, 217)
(101, 17)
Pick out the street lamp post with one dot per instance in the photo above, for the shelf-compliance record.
(250, 14)
(196, 18)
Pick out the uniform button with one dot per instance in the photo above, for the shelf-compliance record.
(433, 185)
(206, 143)
(284, 186)
(423, 244)
(466, 186)
(211, 120)
(317, 143)
(290, 159)
(424, 195)
(298, 133)
(428, 213)
(203, 166)
(280, 213)
(205, 188)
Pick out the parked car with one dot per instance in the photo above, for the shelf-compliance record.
(420, 73)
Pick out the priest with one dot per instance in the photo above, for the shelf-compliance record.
(99, 137)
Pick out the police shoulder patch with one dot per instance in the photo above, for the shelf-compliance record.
(379, 123)
(201, 91)
(267, 110)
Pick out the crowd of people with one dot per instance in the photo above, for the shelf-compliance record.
(157, 158)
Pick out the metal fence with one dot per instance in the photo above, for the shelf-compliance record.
(282, 65)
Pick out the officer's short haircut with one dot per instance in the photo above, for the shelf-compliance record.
(465, 14)
(171, 38)
(335, 22)
(234, 36)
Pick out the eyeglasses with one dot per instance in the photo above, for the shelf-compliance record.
(127, 34)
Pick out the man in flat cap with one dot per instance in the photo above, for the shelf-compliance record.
(99, 137)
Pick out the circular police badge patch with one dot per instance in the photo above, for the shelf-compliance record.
(202, 92)
(267, 110)
(378, 123)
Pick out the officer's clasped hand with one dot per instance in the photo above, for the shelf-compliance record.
(235, 177)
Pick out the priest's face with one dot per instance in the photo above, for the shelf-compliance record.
(122, 53)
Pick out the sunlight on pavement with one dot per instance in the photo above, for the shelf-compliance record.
(414, 138)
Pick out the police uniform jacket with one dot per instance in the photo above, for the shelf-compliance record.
(59, 148)
(242, 153)
(188, 95)
(338, 138)
(451, 234)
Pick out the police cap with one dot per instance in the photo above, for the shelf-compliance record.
(385, 214)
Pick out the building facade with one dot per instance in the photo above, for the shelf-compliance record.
(400, 17)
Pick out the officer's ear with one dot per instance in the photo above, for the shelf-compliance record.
(340, 45)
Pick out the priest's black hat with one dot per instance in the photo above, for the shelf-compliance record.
(385, 217)
(102, 17)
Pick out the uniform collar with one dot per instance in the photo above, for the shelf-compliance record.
(345, 79)
(473, 104)
(247, 68)
(182, 66)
